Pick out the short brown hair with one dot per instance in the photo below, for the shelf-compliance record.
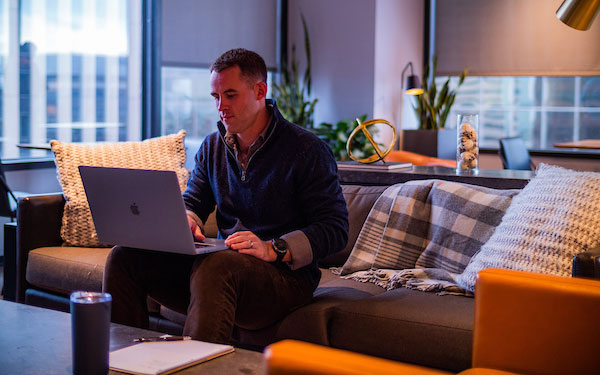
(251, 64)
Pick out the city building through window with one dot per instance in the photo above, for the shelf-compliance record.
(69, 70)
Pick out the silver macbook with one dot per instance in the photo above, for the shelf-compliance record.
(143, 209)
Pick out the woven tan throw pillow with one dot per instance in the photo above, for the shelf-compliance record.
(556, 216)
(162, 153)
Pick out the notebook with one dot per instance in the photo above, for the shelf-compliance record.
(143, 209)
(164, 357)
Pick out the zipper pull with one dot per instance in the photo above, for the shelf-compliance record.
(243, 175)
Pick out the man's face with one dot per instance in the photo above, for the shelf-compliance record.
(237, 100)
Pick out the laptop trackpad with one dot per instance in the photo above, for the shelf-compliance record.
(210, 245)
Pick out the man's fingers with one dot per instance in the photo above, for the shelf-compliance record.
(238, 244)
(195, 228)
(198, 233)
(240, 240)
(239, 236)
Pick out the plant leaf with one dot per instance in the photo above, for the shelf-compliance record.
(307, 73)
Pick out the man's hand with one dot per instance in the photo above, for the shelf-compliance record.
(195, 229)
(248, 243)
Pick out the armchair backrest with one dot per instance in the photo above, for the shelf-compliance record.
(514, 154)
(536, 324)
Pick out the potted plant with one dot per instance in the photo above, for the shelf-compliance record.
(432, 109)
(292, 94)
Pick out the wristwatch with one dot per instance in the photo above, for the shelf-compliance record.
(280, 247)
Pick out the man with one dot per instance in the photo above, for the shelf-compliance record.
(279, 206)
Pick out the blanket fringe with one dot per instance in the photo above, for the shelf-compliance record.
(434, 280)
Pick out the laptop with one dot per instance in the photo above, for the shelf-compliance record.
(143, 209)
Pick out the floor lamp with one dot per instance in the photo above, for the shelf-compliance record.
(413, 87)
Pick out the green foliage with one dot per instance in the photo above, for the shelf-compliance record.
(337, 135)
(433, 106)
(292, 94)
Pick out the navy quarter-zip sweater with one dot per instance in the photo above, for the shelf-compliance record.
(290, 184)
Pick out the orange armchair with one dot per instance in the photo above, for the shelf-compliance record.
(525, 323)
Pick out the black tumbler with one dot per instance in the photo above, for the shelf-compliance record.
(90, 332)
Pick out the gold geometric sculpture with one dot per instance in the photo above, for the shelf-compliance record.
(379, 155)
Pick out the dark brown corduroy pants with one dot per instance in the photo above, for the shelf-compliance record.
(216, 290)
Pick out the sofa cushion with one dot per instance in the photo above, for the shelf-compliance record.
(555, 216)
(308, 323)
(64, 269)
(359, 200)
(164, 153)
(409, 326)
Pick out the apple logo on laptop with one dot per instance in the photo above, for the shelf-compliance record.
(134, 209)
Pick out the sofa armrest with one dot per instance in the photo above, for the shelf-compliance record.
(587, 264)
(297, 357)
(39, 219)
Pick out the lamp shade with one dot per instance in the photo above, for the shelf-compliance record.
(413, 86)
(579, 14)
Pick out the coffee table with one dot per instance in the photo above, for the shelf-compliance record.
(34, 340)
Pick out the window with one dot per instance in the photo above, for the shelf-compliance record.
(541, 110)
(69, 70)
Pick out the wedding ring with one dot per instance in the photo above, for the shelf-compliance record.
(251, 244)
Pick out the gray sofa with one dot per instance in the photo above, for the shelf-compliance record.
(402, 324)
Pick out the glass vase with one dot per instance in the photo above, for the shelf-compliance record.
(467, 145)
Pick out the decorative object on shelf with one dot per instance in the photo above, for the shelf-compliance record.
(379, 154)
(579, 14)
(336, 136)
(467, 150)
(433, 106)
(292, 94)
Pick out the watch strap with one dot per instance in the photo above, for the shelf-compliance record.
(280, 256)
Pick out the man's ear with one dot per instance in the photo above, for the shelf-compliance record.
(260, 90)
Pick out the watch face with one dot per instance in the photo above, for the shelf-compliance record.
(280, 245)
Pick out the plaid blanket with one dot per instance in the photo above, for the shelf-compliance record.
(422, 234)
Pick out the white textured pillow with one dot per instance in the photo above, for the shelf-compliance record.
(555, 216)
(162, 153)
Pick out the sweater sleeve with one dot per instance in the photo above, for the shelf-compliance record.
(198, 195)
(322, 204)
